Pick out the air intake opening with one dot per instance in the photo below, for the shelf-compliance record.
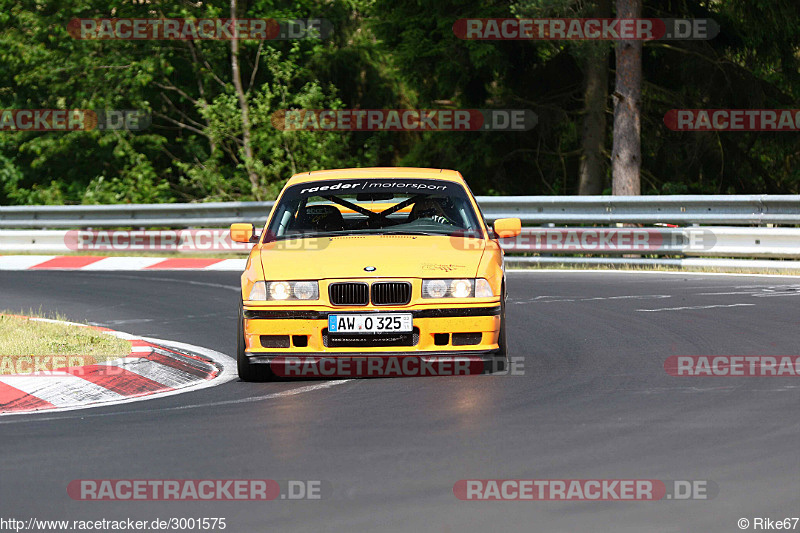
(300, 341)
(275, 341)
(441, 339)
(467, 339)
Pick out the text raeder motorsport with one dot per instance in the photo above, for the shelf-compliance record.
(374, 185)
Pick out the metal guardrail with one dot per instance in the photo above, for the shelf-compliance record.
(679, 209)
(714, 227)
(134, 215)
(533, 210)
(697, 241)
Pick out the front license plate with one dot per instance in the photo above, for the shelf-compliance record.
(375, 323)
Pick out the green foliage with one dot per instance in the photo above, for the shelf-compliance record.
(383, 54)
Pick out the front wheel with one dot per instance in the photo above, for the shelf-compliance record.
(500, 359)
(247, 370)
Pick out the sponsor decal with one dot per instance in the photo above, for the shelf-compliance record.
(361, 185)
(441, 267)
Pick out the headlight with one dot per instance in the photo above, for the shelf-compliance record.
(306, 290)
(280, 290)
(434, 288)
(456, 288)
(284, 290)
(461, 288)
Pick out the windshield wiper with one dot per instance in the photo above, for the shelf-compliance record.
(414, 232)
(313, 234)
(345, 233)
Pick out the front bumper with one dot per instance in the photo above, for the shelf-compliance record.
(485, 356)
(443, 332)
(367, 365)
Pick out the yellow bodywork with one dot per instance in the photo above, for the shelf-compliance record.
(410, 258)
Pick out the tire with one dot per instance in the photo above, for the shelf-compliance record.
(247, 370)
(500, 359)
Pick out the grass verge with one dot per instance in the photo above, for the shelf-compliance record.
(21, 338)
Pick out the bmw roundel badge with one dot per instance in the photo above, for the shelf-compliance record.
(370, 269)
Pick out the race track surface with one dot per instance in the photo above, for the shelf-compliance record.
(594, 402)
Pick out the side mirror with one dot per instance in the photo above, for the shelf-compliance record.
(242, 232)
(507, 227)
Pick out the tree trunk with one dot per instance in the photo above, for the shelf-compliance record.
(626, 155)
(595, 96)
(237, 83)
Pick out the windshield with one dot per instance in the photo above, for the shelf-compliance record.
(373, 207)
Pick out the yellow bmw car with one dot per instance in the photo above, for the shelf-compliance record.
(372, 264)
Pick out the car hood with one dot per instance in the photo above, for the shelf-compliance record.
(397, 256)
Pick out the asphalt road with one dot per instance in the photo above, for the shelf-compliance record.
(594, 403)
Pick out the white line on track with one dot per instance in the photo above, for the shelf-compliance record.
(749, 293)
(271, 396)
(764, 293)
(693, 307)
(544, 299)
